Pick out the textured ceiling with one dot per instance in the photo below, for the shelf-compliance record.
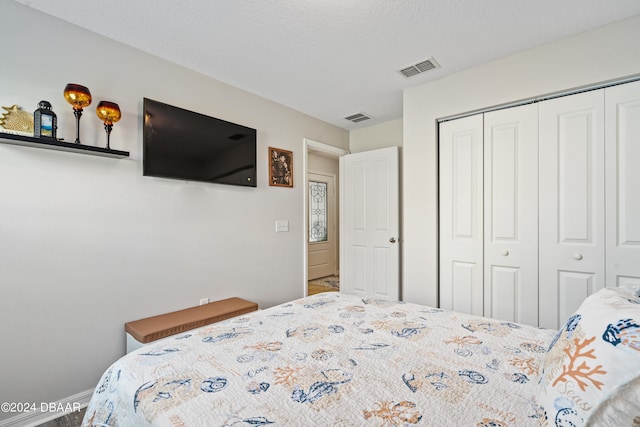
(333, 58)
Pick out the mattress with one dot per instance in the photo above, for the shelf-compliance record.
(331, 359)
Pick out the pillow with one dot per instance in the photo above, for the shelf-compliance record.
(593, 364)
(622, 408)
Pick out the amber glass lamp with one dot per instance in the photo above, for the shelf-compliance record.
(80, 97)
(109, 113)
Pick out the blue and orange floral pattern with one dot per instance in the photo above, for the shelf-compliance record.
(333, 359)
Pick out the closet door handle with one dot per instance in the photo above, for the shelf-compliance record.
(392, 240)
(505, 253)
(577, 257)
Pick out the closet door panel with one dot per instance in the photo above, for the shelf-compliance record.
(464, 280)
(511, 214)
(505, 303)
(622, 105)
(461, 234)
(573, 288)
(571, 197)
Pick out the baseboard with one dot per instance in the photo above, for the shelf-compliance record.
(38, 416)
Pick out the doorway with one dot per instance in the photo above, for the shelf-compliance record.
(322, 248)
(321, 207)
(321, 223)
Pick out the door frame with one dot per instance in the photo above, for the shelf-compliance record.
(310, 145)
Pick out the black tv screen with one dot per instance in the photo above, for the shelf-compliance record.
(182, 144)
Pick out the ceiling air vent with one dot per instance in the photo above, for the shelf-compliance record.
(420, 67)
(358, 117)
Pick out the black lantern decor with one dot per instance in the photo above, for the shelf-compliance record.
(45, 122)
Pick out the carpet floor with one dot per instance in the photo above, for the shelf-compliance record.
(74, 419)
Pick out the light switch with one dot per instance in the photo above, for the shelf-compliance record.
(282, 225)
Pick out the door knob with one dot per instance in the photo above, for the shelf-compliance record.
(505, 253)
(392, 240)
(577, 256)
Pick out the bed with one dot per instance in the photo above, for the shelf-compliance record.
(340, 360)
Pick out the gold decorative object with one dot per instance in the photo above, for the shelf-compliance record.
(80, 97)
(17, 120)
(109, 113)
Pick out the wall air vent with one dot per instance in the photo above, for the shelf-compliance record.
(419, 68)
(358, 117)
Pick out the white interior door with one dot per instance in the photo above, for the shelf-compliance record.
(572, 239)
(369, 223)
(623, 182)
(321, 225)
(511, 214)
(461, 215)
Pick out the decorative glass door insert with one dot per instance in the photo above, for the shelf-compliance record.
(318, 212)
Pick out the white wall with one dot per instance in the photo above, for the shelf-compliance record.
(319, 163)
(88, 243)
(383, 135)
(603, 54)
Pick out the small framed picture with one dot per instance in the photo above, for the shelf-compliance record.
(280, 167)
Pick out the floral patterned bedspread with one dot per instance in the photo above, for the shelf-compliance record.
(331, 359)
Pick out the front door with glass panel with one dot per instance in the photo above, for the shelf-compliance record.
(322, 242)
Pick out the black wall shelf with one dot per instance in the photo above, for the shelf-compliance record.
(52, 144)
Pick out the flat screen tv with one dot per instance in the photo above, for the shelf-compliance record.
(182, 144)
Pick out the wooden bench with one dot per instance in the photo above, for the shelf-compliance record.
(144, 331)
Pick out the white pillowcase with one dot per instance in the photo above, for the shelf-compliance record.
(592, 368)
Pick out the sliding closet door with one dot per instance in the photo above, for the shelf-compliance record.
(461, 236)
(572, 235)
(623, 184)
(511, 214)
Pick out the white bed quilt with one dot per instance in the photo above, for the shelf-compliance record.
(331, 359)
